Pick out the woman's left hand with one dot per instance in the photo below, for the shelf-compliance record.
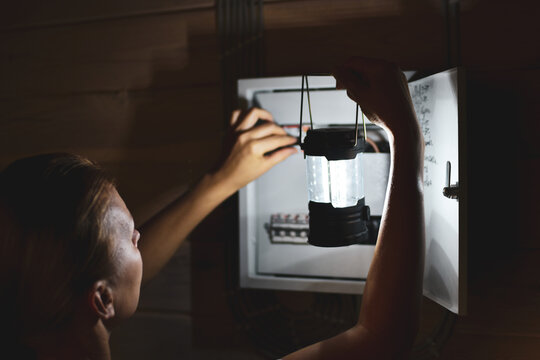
(256, 148)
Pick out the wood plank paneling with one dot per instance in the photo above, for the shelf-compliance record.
(529, 201)
(152, 336)
(505, 299)
(109, 124)
(39, 13)
(314, 36)
(113, 55)
(310, 13)
(465, 346)
(503, 128)
(501, 55)
(516, 91)
(148, 186)
(498, 33)
(214, 325)
(135, 86)
(149, 178)
(170, 290)
(165, 337)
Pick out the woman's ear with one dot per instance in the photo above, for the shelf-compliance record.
(101, 300)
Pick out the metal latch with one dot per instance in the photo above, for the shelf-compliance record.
(450, 191)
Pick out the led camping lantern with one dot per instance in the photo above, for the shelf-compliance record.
(337, 210)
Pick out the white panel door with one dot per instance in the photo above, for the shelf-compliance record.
(435, 100)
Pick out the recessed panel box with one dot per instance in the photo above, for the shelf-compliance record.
(273, 209)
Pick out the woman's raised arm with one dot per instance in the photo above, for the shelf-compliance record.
(390, 311)
(248, 158)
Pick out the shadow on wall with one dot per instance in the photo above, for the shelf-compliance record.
(442, 278)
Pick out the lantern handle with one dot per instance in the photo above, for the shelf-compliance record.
(302, 107)
(356, 126)
(309, 103)
(311, 117)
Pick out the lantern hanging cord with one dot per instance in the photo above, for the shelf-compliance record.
(356, 126)
(364, 124)
(301, 108)
(309, 103)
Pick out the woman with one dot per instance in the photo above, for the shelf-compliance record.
(71, 265)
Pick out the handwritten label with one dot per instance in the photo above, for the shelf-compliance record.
(422, 98)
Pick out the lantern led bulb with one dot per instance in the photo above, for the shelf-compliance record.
(346, 182)
(338, 182)
(318, 176)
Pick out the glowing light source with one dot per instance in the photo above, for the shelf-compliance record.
(337, 210)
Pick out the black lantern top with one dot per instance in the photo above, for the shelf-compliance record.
(334, 143)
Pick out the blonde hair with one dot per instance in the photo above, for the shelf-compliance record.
(53, 242)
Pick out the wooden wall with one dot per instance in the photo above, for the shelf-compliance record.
(136, 86)
(499, 49)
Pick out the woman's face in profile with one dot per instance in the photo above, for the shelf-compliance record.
(127, 261)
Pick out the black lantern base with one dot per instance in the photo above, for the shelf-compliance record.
(334, 227)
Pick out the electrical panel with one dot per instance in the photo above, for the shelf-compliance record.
(273, 210)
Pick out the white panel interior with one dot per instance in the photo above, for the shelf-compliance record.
(327, 107)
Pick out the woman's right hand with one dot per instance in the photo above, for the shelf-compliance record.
(381, 90)
(254, 149)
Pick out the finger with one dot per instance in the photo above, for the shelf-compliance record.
(339, 84)
(344, 72)
(264, 130)
(349, 77)
(251, 118)
(280, 155)
(271, 143)
(234, 116)
(350, 81)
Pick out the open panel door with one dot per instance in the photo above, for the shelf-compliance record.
(439, 107)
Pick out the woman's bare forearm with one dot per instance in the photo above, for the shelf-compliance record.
(247, 159)
(392, 296)
(390, 311)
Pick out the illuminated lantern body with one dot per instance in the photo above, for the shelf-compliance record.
(337, 211)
